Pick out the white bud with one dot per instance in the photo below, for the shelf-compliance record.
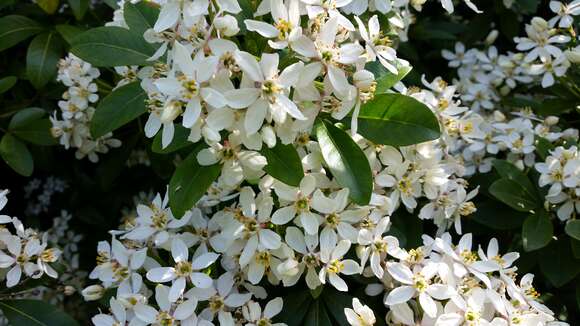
(498, 116)
(363, 79)
(551, 120)
(93, 292)
(171, 111)
(69, 290)
(491, 37)
(269, 136)
(573, 55)
(539, 24)
(227, 25)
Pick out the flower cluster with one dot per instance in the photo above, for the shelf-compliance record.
(561, 173)
(442, 283)
(76, 110)
(24, 252)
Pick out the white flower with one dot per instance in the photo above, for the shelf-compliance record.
(564, 13)
(169, 313)
(253, 313)
(183, 270)
(361, 315)
(335, 265)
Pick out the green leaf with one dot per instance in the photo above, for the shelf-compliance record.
(335, 302)
(16, 155)
(112, 46)
(346, 161)
(123, 105)
(397, 120)
(495, 215)
(28, 124)
(283, 163)
(24, 116)
(513, 194)
(15, 29)
(7, 83)
(296, 306)
(317, 315)
(543, 147)
(141, 16)
(34, 312)
(558, 264)
(573, 229)
(537, 231)
(42, 58)
(179, 141)
(386, 79)
(79, 8)
(509, 171)
(68, 32)
(189, 183)
(49, 6)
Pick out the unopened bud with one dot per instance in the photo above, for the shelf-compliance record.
(93, 292)
(491, 37)
(227, 25)
(498, 116)
(69, 290)
(573, 55)
(364, 80)
(551, 120)
(539, 24)
(171, 111)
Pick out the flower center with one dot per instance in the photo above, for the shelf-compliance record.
(183, 268)
(335, 266)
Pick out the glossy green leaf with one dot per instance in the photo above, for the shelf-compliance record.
(335, 302)
(509, 171)
(189, 183)
(14, 29)
(386, 79)
(49, 6)
(537, 231)
(16, 155)
(179, 141)
(397, 120)
(68, 32)
(346, 161)
(543, 147)
(317, 315)
(79, 8)
(573, 229)
(514, 195)
(296, 306)
(283, 163)
(140, 16)
(123, 105)
(42, 58)
(34, 313)
(558, 264)
(24, 116)
(30, 125)
(497, 216)
(7, 83)
(112, 46)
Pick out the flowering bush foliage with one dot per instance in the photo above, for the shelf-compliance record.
(291, 162)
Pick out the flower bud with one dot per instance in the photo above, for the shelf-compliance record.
(491, 37)
(269, 136)
(227, 25)
(69, 290)
(551, 120)
(498, 116)
(539, 24)
(171, 111)
(364, 80)
(573, 55)
(93, 292)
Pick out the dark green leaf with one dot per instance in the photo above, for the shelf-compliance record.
(79, 8)
(543, 147)
(29, 125)
(296, 306)
(514, 195)
(509, 171)
(34, 312)
(25, 116)
(16, 155)
(335, 302)
(190, 182)
(49, 6)
(386, 79)
(42, 58)
(179, 141)
(317, 315)
(573, 229)
(498, 216)
(68, 32)
(140, 16)
(347, 162)
(398, 120)
(558, 264)
(14, 29)
(6, 83)
(112, 46)
(537, 231)
(283, 163)
(118, 108)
